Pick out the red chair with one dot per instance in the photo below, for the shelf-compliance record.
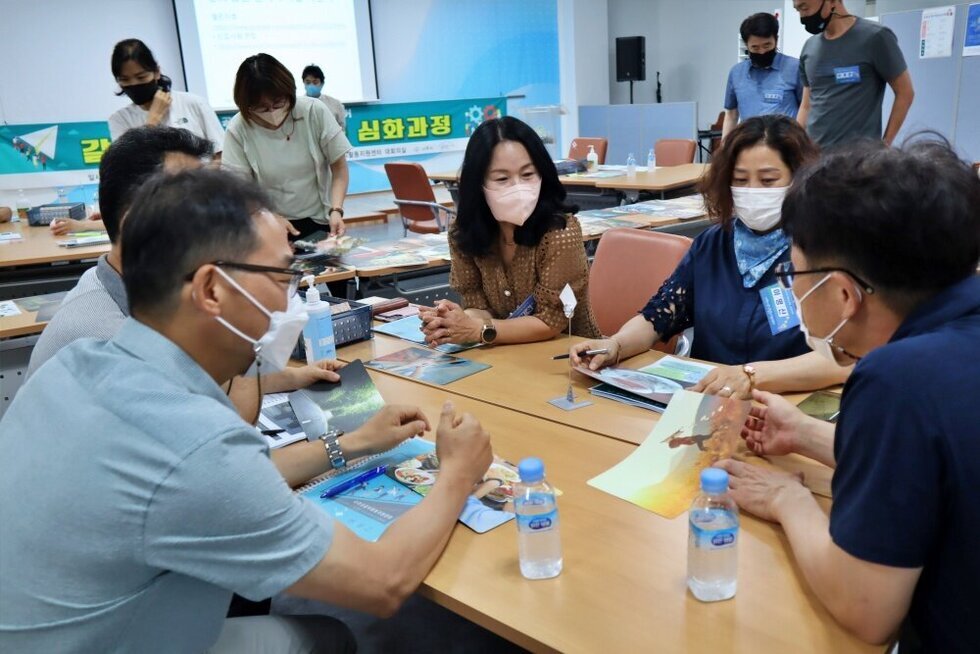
(416, 202)
(629, 267)
(579, 149)
(674, 152)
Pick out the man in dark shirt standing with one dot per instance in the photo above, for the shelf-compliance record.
(844, 67)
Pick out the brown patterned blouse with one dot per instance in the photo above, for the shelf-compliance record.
(486, 283)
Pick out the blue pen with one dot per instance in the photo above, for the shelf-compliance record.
(354, 482)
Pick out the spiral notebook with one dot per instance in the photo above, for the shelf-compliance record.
(371, 508)
(413, 468)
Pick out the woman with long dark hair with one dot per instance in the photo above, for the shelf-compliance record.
(154, 103)
(726, 286)
(514, 245)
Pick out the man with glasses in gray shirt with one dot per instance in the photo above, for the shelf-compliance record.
(131, 532)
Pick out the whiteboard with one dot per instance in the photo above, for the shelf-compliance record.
(216, 36)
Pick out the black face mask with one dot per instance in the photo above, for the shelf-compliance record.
(815, 24)
(141, 93)
(762, 59)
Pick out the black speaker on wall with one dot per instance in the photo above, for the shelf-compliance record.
(631, 59)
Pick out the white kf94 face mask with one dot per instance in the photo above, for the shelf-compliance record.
(822, 346)
(759, 208)
(273, 349)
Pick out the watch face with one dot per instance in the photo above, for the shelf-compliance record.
(489, 334)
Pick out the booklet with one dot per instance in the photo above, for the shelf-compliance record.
(346, 404)
(490, 505)
(426, 365)
(278, 421)
(662, 475)
(410, 329)
(412, 468)
(822, 405)
(650, 387)
(369, 508)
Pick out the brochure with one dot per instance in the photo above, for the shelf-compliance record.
(410, 329)
(426, 365)
(652, 386)
(346, 404)
(662, 475)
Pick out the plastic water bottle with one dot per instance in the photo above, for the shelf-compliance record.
(712, 549)
(631, 165)
(651, 160)
(62, 195)
(538, 539)
(23, 205)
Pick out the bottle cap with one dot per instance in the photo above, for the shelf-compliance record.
(312, 294)
(714, 480)
(531, 470)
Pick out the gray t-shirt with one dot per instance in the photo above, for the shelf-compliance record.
(95, 308)
(847, 77)
(135, 501)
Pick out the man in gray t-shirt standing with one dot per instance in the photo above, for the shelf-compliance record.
(844, 68)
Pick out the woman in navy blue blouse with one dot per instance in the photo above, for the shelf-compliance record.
(725, 287)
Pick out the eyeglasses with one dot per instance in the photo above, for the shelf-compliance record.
(279, 104)
(295, 274)
(785, 272)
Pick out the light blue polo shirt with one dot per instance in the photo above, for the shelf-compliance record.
(756, 91)
(134, 501)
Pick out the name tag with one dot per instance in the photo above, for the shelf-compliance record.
(780, 307)
(847, 74)
(525, 308)
(772, 97)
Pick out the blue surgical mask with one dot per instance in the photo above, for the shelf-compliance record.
(313, 90)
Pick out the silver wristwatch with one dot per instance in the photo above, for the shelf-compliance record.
(331, 442)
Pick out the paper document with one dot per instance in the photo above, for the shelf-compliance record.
(936, 32)
(8, 308)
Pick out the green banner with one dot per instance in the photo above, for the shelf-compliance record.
(52, 147)
(384, 130)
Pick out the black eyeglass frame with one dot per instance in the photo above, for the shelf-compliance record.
(784, 272)
(296, 275)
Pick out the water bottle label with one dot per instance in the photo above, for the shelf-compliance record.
(713, 539)
(538, 523)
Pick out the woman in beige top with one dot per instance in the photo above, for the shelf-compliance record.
(293, 147)
(514, 246)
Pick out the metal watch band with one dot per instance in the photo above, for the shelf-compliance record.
(331, 442)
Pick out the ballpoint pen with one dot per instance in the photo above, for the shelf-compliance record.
(353, 482)
(587, 353)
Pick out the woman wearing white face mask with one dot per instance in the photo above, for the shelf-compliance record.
(292, 146)
(725, 287)
(514, 246)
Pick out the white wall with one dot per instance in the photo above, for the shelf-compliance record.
(45, 80)
(582, 56)
(693, 43)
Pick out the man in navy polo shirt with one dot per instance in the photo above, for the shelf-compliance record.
(768, 82)
(885, 249)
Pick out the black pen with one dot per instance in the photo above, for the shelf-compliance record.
(587, 353)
